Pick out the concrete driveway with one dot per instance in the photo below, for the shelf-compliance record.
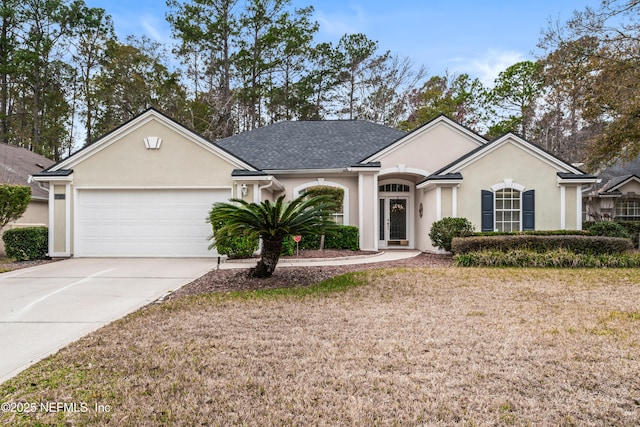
(44, 308)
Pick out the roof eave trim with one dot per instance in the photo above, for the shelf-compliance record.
(578, 180)
(305, 171)
(53, 178)
(431, 183)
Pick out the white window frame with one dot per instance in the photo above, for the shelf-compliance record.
(630, 205)
(321, 182)
(507, 184)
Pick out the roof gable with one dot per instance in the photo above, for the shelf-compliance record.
(440, 121)
(616, 184)
(509, 138)
(305, 145)
(138, 122)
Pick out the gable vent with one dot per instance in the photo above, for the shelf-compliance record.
(152, 142)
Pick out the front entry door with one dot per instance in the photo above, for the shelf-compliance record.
(393, 221)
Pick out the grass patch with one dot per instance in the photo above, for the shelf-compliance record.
(390, 347)
(335, 284)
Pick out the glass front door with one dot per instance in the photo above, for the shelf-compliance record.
(393, 214)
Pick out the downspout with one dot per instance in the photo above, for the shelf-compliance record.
(260, 188)
(264, 187)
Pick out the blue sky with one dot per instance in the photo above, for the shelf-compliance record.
(477, 37)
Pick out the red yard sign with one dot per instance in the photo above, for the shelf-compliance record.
(297, 239)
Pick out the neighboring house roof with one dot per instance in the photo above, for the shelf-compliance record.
(296, 145)
(615, 175)
(17, 164)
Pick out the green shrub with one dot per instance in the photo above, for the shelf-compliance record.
(608, 228)
(444, 230)
(557, 258)
(14, 200)
(344, 237)
(288, 246)
(633, 229)
(234, 247)
(577, 244)
(26, 243)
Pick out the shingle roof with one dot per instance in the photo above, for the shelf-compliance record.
(617, 173)
(294, 145)
(16, 164)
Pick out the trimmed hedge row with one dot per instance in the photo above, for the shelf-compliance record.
(632, 228)
(578, 244)
(559, 258)
(535, 233)
(26, 243)
(345, 237)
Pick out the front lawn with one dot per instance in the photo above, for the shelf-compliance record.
(386, 347)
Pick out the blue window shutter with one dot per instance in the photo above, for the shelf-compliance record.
(487, 211)
(528, 210)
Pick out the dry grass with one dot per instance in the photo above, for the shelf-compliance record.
(412, 347)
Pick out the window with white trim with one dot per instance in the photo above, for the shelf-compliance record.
(628, 209)
(508, 208)
(339, 215)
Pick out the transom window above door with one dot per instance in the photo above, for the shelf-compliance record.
(394, 188)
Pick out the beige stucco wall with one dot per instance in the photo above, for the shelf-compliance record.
(446, 202)
(429, 149)
(59, 218)
(37, 214)
(368, 227)
(349, 181)
(571, 222)
(178, 162)
(429, 201)
(513, 163)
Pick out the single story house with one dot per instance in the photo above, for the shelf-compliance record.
(617, 195)
(17, 165)
(145, 189)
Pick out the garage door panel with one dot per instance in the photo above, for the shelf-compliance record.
(145, 223)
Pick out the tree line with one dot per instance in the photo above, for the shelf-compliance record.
(66, 78)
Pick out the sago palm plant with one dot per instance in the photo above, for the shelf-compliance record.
(272, 222)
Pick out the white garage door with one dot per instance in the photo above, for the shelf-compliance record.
(144, 223)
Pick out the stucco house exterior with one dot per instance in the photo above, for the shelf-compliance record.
(145, 189)
(17, 165)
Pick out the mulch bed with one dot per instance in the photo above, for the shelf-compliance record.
(18, 265)
(287, 277)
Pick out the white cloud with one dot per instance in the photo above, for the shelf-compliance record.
(154, 29)
(335, 25)
(490, 64)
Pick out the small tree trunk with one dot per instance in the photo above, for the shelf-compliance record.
(271, 250)
(322, 242)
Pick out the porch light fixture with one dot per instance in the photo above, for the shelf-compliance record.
(243, 189)
(152, 142)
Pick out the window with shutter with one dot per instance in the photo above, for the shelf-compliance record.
(487, 211)
(528, 210)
